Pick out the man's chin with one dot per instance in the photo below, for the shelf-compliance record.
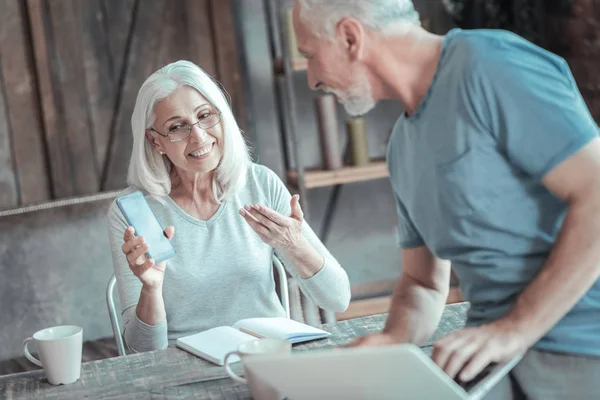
(357, 110)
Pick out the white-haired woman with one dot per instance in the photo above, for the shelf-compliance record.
(225, 216)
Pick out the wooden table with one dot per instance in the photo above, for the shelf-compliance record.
(176, 374)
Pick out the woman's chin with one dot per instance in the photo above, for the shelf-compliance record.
(202, 165)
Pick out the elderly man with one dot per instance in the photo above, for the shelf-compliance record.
(495, 166)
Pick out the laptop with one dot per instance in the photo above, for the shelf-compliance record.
(388, 372)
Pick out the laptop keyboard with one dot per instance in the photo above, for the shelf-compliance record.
(468, 385)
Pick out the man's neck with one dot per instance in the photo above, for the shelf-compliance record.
(403, 67)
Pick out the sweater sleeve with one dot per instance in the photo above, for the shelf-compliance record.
(138, 335)
(329, 288)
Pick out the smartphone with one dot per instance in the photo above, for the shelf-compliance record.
(138, 214)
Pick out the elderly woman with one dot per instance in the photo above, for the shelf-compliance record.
(225, 215)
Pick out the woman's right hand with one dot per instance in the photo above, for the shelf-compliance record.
(150, 274)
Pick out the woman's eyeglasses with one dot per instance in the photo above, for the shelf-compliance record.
(181, 131)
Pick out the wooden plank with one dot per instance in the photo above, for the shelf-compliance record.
(299, 64)
(141, 63)
(217, 389)
(22, 117)
(118, 17)
(58, 158)
(100, 81)
(9, 196)
(185, 34)
(366, 307)
(199, 35)
(169, 29)
(373, 289)
(381, 304)
(116, 376)
(68, 73)
(320, 178)
(58, 166)
(227, 56)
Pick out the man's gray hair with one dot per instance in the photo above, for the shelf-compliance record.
(148, 169)
(394, 17)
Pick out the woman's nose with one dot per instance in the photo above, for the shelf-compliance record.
(198, 132)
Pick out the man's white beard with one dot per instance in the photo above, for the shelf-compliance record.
(357, 99)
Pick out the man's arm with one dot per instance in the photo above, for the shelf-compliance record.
(418, 301)
(571, 269)
(574, 262)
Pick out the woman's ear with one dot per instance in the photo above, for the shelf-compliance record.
(152, 139)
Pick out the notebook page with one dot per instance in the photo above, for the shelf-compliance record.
(281, 328)
(214, 344)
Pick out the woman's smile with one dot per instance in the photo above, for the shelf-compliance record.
(202, 152)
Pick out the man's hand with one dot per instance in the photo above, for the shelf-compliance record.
(468, 351)
(373, 339)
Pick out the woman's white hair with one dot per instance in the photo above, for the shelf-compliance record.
(394, 17)
(148, 169)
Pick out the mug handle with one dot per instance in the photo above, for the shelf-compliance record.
(28, 354)
(230, 371)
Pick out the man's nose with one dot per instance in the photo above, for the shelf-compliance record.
(313, 82)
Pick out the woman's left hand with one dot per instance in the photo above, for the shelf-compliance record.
(276, 230)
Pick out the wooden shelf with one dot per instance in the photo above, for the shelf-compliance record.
(322, 178)
(299, 64)
(382, 304)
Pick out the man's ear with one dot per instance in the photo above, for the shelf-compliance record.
(353, 36)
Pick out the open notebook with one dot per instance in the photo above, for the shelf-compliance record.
(214, 344)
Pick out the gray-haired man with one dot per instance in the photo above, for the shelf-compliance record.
(495, 165)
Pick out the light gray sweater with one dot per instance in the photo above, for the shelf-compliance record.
(222, 271)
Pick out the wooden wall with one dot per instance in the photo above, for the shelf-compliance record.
(69, 75)
(573, 31)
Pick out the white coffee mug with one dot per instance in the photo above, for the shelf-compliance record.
(59, 348)
(260, 390)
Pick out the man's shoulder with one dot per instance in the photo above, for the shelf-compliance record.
(483, 42)
(485, 49)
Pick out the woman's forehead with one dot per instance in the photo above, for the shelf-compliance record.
(184, 99)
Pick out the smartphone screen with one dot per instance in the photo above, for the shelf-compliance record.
(138, 214)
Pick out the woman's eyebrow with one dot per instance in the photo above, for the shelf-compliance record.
(178, 117)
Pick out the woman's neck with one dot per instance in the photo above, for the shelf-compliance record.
(194, 193)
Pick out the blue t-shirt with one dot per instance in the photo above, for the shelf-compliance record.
(466, 170)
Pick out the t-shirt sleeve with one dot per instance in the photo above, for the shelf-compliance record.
(409, 237)
(531, 104)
